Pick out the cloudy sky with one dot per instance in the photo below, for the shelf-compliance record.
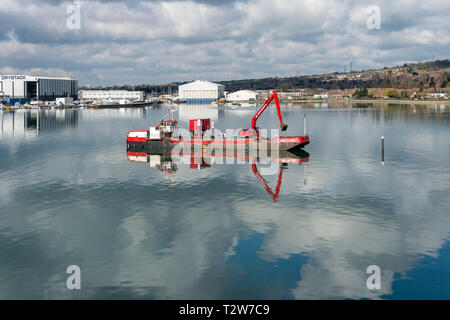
(137, 42)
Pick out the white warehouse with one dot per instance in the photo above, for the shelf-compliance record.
(38, 88)
(110, 95)
(242, 95)
(201, 91)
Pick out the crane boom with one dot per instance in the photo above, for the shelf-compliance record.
(274, 96)
(254, 128)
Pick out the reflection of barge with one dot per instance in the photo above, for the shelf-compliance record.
(167, 163)
(164, 137)
(153, 156)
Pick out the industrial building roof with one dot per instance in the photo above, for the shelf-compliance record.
(200, 85)
(245, 91)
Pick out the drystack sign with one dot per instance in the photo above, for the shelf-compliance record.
(15, 78)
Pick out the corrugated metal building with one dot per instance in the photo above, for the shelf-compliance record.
(38, 88)
(201, 91)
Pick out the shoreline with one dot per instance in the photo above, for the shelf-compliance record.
(352, 101)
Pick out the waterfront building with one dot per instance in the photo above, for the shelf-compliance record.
(119, 95)
(242, 95)
(201, 91)
(37, 87)
(320, 96)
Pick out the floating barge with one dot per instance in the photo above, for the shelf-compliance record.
(162, 137)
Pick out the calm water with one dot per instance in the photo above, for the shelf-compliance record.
(70, 196)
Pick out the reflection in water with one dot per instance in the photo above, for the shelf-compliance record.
(215, 233)
(26, 123)
(116, 113)
(51, 120)
(197, 111)
(168, 163)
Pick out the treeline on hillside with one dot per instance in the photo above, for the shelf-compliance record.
(433, 74)
(422, 75)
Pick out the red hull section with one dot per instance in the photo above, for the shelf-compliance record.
(282, 143)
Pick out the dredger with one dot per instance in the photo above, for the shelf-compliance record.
(162, 135)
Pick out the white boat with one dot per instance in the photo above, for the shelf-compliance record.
(248, 104)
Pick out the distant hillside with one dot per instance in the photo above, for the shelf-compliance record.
(433, 74)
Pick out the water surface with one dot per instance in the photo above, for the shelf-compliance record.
(70, 195)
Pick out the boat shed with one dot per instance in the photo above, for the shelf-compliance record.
(242, 95)
(37, 87)
(201, 91)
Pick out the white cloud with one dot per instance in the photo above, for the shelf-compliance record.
(159, 41)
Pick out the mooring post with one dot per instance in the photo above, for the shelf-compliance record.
(382, 150)
(304, 124)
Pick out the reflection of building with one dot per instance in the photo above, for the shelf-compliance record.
(51, 120)
(24, 124)
(12, 125)
(110, 95)
(116, 113)
(201, 91)
(187, 112)
(41, 88)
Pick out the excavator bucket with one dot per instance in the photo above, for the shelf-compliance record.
(284, 127)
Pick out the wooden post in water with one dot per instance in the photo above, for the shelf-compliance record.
(382, 150)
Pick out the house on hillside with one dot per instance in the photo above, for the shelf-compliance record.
(437, 95)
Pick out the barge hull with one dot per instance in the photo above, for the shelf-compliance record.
(166, 145)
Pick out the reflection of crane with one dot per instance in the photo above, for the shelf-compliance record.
(254, 128)
(265, 184)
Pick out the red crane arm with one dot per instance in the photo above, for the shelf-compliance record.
(265, 105)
